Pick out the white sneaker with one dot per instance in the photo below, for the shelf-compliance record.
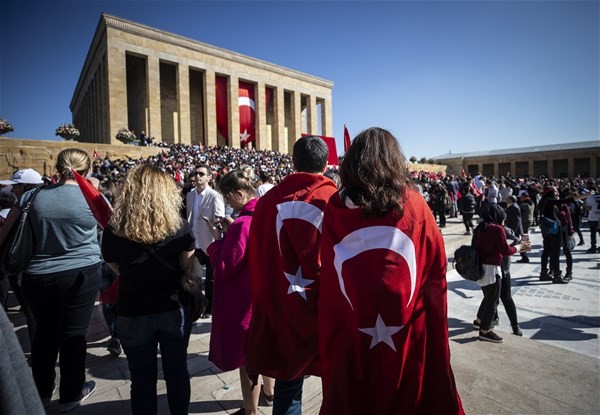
(88, 388)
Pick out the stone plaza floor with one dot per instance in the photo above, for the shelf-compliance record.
(553, 369)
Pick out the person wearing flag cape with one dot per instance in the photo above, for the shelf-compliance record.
(382, 311)
(284, 263)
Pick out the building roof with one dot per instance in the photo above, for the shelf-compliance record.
(582, 145)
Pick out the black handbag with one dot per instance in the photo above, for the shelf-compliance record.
(190, 284)
(22, 243)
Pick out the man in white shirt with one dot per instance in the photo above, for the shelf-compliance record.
(204, 202)
(592, 205)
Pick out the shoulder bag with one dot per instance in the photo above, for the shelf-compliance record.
(20, 240)
(190, 283)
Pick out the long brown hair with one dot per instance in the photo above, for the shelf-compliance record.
(374, 173)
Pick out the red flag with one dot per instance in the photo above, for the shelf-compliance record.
(97, 203)
(463, 173)
(332, 157)
(384, 338)
(247, 112)
(95, 154)
(221, 104)
(281, 340)
(347, 142)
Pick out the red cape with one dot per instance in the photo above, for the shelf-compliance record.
(383, 336)
(284, 267)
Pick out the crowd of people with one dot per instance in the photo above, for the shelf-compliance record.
(286, 244)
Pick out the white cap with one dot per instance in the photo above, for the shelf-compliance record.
(25, 176)
(522, 192)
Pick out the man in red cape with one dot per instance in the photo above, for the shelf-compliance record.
(383, 332)
(284, 266)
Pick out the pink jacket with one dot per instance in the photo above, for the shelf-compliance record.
(232, 297)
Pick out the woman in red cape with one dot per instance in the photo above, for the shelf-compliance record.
(383, 331)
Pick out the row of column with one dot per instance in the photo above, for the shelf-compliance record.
(183, 127)
(571, 169)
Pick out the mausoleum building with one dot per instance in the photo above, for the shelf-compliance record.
(179, 90)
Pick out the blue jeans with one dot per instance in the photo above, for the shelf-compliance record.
(62, 304)
(140, 337)
(288, 397)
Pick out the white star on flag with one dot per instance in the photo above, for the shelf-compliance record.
(297, 283)
(244, 136)
(382, 333)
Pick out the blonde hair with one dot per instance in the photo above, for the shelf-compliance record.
(72, 158)
(242, 179)
(147, 209)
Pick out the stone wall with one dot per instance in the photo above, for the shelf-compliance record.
(41, 155)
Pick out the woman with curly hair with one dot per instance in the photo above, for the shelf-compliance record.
(150, 245)
(383, 330)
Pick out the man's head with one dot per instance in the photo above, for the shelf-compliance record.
(510, 200)
(310, 155)
(203, 176)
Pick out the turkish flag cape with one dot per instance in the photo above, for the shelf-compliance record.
(347, 141)
(284, 266)
(383, 331)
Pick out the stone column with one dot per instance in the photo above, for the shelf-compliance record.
(594, 171)
(260, 104)
(496, 170)
(327, 117)
(154, 116)
(296, 130)
(550, 172)
(571, 166)
(279, 141)
(513, 169)
(313, 124)
(233, 92)
(210, 108)
(183, 98)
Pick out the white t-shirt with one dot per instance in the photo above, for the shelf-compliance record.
(594, 202)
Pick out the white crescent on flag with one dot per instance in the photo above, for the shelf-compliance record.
(298, 210)
(246, 101)
(308, 213)
(375, 237)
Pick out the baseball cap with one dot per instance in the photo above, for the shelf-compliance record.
(25, 176)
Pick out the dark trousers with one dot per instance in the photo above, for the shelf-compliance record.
(12, 282)
(506, 298)
(62, 304)
(288, 397)
(209, 277)
(489, 305)
(468, 221)
(551, 250)
(568, 257)
(593, 232)
(140, 336)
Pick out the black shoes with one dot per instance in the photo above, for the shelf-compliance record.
(592, 250)
(545, 277)
(517, 331)
(88, 388)
(558, 279)
(477, 325)
(114, 347)
(204, 316)
(490, 336)
(523, 260)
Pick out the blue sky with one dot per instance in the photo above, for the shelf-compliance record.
(441, 75)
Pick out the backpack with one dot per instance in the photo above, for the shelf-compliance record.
(466, 262)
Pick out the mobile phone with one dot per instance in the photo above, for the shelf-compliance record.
(525, 237)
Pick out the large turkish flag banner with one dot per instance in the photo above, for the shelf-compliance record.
(221, 103)
(332, 158)
(247, 108)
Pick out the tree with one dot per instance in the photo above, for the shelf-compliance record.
(413, 159)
